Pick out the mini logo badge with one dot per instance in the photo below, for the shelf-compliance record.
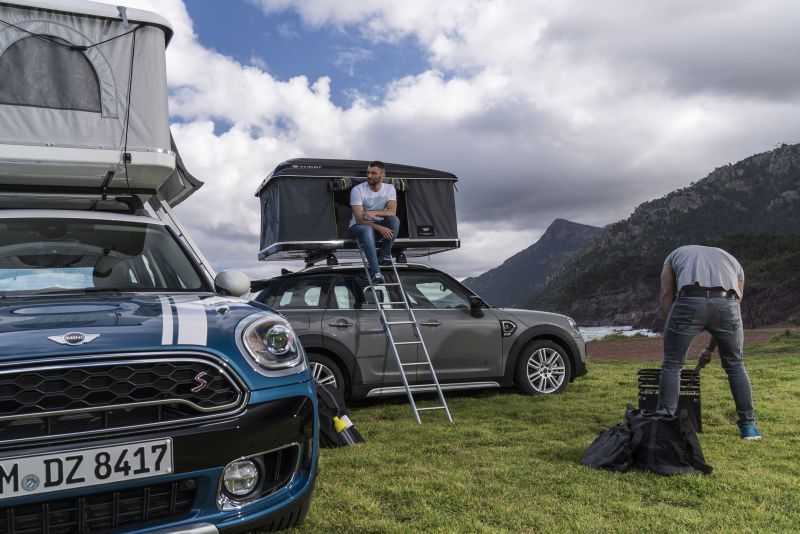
(74, 338)
(201, 383)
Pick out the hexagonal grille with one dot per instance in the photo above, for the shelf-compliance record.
(39, 401)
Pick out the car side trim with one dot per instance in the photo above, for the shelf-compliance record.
(401, 390)
(543, 331)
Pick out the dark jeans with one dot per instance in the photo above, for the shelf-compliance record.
(366, 235)
(723, 319)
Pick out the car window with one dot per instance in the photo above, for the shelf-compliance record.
(343, 297)
(301, 293)
(50, 254)
(432, 291)
(348, 295)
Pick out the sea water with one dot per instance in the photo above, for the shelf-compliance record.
(591, 333)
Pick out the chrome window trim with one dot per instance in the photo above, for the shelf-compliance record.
(226, 504)
(105, 359)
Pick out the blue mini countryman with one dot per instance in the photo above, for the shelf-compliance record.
(134, 397)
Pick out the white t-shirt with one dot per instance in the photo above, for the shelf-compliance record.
(369, 200)
(706, 267)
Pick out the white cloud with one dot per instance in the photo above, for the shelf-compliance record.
(348, 59)
(544, 109)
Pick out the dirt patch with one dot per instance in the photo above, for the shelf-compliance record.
(651, 349)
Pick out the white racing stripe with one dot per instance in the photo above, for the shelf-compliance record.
(192, 323)
(166, 317)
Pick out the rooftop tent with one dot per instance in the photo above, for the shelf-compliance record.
(305, 209)
(82, 84)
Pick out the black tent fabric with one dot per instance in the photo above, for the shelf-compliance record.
(305, 209)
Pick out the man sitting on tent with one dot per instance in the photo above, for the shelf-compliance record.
(374, 206)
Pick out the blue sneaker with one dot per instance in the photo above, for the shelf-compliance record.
(749, 431)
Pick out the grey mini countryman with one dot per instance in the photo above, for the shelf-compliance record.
(471, 344)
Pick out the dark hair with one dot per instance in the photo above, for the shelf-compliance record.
(378, 164)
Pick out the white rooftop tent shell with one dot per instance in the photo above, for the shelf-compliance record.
(81, 85)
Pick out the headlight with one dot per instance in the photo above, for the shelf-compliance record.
(273, 345)
(572, 323)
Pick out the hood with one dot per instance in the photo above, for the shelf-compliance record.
(37, 326)
(534, 317)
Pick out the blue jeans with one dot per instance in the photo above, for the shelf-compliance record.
(366, 236)
(723, 319)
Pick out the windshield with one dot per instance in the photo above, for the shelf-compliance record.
(52, 255)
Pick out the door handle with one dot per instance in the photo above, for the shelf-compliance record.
(341, 324)
(431, 323)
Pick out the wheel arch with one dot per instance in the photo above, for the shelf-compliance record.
(542, 333)
(338, 353)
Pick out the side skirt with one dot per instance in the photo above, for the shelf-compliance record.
(400, 390)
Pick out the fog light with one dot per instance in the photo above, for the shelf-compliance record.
(240, 477)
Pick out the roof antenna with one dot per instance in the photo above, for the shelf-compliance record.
(123, 13)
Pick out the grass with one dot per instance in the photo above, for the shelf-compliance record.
(511, 463)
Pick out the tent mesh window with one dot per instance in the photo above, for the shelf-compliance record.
(35, 72)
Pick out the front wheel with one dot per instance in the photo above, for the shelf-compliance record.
(543, 368)
(325, 371)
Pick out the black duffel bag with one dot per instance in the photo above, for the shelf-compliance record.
(665, 444)
(611, 450)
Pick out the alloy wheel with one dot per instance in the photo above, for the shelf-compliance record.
(546, 370)
(323, 375)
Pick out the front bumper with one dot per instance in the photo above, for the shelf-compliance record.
(282, 420)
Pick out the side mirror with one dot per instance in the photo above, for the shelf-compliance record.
(233, 283)
(476, 305)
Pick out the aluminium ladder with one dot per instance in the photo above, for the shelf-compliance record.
(412, 320)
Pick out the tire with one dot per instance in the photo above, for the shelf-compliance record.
(326, 371)
(543, 368)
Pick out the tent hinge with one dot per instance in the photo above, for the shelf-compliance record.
(123, 13)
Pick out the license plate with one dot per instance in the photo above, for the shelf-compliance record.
(84, 467)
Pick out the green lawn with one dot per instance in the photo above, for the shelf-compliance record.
(512, 463)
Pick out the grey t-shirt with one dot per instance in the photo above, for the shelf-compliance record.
(705, 266)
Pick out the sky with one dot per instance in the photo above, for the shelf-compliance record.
(544, 109)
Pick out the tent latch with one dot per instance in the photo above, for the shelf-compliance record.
(123, 13)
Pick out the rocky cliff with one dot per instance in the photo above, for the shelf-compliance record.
(521, 275)
(615, 280)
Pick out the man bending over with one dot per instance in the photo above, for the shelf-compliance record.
(374, 206)
(700, 290)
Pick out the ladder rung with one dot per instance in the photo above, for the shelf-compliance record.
(413, 363)
(431, 408)
(408, 343)
(399, 322)
(420, 386)
(386, 284)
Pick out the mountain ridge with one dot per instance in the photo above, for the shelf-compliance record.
(615, 278)
(529, 269)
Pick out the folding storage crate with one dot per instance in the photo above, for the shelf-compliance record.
(688, 400)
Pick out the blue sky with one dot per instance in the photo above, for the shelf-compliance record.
(286, 46)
